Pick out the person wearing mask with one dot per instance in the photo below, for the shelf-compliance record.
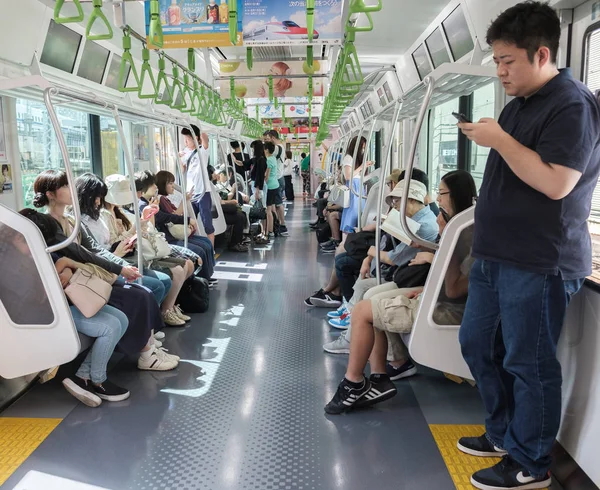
(531, 244)
(198, 177)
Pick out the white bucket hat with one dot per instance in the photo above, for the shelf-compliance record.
(119, 190)
(417, 191)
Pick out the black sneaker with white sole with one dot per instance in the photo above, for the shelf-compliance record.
(382, 389)
(283, 231)
(480, 446)
(347, 395)
(111, 392)
(326, 300)
(316, 294)
(405, 371)
(82, 390)
(508, 475)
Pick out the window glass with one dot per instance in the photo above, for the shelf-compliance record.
(443, 142)
(422, 61)
(592, 79)
(38, 146)
(484, 100)
(141, 148)
(458, 34)
(112, 79)
(22, 291)
(111, 150)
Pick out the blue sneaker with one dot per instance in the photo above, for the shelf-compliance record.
(342, 323)
(339, 313)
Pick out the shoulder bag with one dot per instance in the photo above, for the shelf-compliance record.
(88, 292)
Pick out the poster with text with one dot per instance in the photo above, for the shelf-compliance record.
(6, 178)
(269, 111)
(284, 22)
(195, 23)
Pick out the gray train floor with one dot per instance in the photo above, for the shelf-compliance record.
(244, 410)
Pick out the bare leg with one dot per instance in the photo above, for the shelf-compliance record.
(362, 341)
(270, 219)
(189, 268)
(379, 352)
(179, 276)
(334, 223)
(280, 215)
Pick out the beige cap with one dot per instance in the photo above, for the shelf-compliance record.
(417, 191)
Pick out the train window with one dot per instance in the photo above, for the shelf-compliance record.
(437, 48)
(592, 79)
(458, 34)
(93, 62)
(112, 153)
(61, 47)
(484, 100)
(141, 146)
(443, 141)
(421, 59)
(22, 291)
(38, 145)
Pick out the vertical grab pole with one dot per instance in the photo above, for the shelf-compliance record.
(363, 173)
(68, 169)
(384, 169)
(130, 171)
(429, 83)
(183, 179)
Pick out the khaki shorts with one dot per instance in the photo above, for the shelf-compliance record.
(396, 314)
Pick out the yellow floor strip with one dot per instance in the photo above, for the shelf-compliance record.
(18, 439)
(460, 465)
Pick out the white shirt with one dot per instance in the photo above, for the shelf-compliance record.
(99, 230)
(279, 161)
(197, 172)
(287, 167)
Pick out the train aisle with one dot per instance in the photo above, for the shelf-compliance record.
(244, 410)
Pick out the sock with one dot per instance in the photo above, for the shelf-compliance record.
(353, 384)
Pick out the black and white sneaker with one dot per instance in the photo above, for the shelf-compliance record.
(326, 300)
(212, 283)
(347, 395)
(316, 294)
(82, 390)
(382, 389)
(508, 475)
(283, 231)
(406, 370)
(480, 446)
(111, 392)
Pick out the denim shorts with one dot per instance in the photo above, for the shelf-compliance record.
(204, 208)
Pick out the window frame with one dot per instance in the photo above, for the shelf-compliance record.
(585, 49)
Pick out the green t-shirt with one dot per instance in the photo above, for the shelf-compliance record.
(272, 183)
(305, 165)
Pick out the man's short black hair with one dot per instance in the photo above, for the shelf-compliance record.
(529, 25)
(235, 145)
(270, 147)
(144, 180)
(187, 132)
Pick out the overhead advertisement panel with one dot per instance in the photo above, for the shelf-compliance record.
(291, 111)
(238, 68)
(195, 23)
(284, 22)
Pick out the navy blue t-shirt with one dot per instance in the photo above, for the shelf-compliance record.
(518, 225)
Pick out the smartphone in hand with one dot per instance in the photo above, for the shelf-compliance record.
(461, 117)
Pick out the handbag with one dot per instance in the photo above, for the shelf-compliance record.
(178, 231)
(99, 272)
(194, 296)
(88, 292)
(357, 245)
(258, 211)
(340, 196)
(154, 245)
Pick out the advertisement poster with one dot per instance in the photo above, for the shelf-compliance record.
(195, 23)
(239, 68)
(269, 111)
(2, 135)
(282, 86)
(6, 178)
(298, 125)
(284, 22)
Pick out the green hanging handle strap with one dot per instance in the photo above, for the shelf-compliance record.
(177, 90)
(271, 90)
(249, 58)
(310, 56)
(257, 112)
(233, 22)
(155, 33)
(98, 14)
(310, 20)
(187, 94)
(127, 60)
(232, 88)
(195, 97)
(310, 91)
(167, 95)
(146, 72)
(67, 20)
(191, 60)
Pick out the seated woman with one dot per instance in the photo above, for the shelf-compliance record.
(234, 216)
(91, 193)
(395, 313)
(90, 384)
(169, 215)
(143, 321)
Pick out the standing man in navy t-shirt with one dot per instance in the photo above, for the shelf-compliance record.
(531, 242)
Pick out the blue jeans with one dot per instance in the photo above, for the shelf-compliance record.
(107, 327)
(157, 282)
(509, 334)
(347, 270)
(203, 207)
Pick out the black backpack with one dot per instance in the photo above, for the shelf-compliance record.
(323, 232)
(357, 244)
(194, 295)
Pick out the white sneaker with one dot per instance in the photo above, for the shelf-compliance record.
(156, 361)
(157, 343)
(171, 319)
(338, 346)
(179, 313)
(165, 353)
(159, 335)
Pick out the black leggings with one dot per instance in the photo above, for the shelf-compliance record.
(289, 187)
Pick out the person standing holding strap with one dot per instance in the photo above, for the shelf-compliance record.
(531, 244)
(279, 153)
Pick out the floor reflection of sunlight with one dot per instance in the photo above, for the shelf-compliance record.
(241, 265)
(237, 276)
(34, 480)
(209, 371)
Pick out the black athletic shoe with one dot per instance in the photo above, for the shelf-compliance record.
(82, 390)
(480, 446)
(382, 389)
(111, 392)
(406, 370)
(346, 396)
(509, 475)
(326, 300)
(283, 231)
(320, 294)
